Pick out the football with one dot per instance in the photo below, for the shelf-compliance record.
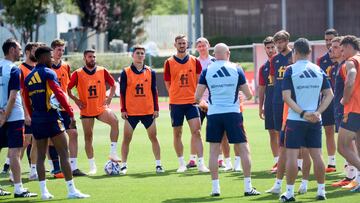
(112, 168)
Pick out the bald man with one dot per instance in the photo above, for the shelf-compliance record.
(224, 80)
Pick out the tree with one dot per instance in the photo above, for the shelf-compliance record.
(28, 16)
(173, 7)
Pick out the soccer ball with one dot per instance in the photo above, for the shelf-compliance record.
(112, 168)
(54, 103)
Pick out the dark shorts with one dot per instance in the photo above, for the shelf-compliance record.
(12, 134)
(82, 117)
(44, 130)
(28, 129)
(269, 116)
(178, 111)
(66, 119)
(278, 116)
(231, 123)
(338, 119)
(327, 117)
(203, 115)
(302, 134)
(351, 122)
(146, 120)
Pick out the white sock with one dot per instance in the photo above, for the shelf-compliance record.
(228, 161)
(33, 168)
(321, 189)
(351, 172)
(51, 165)
(201, 161)
(237, 161)
(220, 157)
(73, 163)
(18, 188)
(289, 191)
(181, 161)
(358, 177)
(70, 186)
(300, 163)
(331, 160)
(7, 161)
(123, 164)
(43, 187)
(247, 184)
(304, 183)
(92, 163)
(158, 163)
(192, 157)
(216, 186)
(278, 183)
(113, 147)
(276, 159)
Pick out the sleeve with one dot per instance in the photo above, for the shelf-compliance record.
(272, 68)
(14, 82)
(68, 70)
(262, 81)
(287, 83)
(154, 91)
(73, 80)
(123, 84)
(108, 78)
(326, 82)
(27, 100)
(198, 67)
(167, 76)
(318, 61)
(60, 96)
(202, 79)
(242, 78)
(342, 72)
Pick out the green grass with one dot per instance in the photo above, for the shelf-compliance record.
(141, 184)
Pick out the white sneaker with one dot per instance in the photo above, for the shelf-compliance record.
(203, 169)
(114, 157)
(274, 190)
(47, 196)
(33, 176)
(93, 170)
(228, 167)
(302, 189)
(181, 169)
(77, 195)
(238, 168)
(123, 170)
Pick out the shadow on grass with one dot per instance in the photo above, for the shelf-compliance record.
(30, 199)
(200, 199)
(254, 175)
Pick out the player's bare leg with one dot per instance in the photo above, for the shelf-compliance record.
(331, 148)
(88, 125)
(110, 118)
(195, 129)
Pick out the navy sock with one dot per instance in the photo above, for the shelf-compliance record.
(54, 158)
(28, 150)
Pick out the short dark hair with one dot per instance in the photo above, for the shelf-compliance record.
(89, 51)
(351, 40)
(331, 31)
(41, 51)
(138, 46)
(268, 40)
(57, 43)
(302, 46)
(281, 35)
(181, 36)
(337, 39)
(9, 43)
(30, 45)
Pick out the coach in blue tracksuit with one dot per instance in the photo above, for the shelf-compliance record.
(301, 88)
(224, 80)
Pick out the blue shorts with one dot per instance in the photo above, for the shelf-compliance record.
(146, 120)
(338, 119)
(231, 123)
(178, 111)
(351, 122)
(12, 134)
(269, 116)
(327, 117)
(28, 129)
(278, 116)
(302, 134)
(44, 130)
(66, 119)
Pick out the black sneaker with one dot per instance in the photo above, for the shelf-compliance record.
(4, 192)
(77, 172)
(159, 169)
(215, 194)
(253, 192)
(283, 198)
(5, 169)
(25, 194)
(320, 197)
(191, 164)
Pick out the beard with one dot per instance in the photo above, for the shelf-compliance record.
(90, 64)
(181, 50)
